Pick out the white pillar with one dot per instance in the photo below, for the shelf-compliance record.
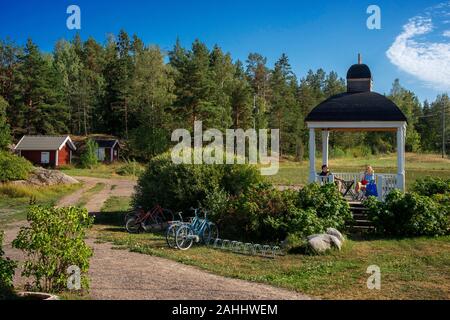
(312, 155)
(401, 133)
(325, 140)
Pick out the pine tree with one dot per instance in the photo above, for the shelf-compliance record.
(69, 68)
(5, 133)
(118, 74)
(408, 102)
(40, 100)
(258, 75)
(241, 99)
(285, 112)
(152, 98)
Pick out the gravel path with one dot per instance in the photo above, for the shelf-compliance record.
(123, 275)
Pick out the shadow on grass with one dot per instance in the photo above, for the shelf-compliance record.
(109, 218)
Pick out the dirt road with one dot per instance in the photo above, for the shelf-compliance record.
(122, 275)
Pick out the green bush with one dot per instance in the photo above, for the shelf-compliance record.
(408, 214)
(430, 186)
(7, 270)
(13, 167)
(88, 158)
(130, 168)
(328, 204)
(181, 186)
(265, 213)
(240, 201)
(53, 241)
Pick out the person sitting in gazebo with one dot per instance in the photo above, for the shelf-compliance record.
(367, 183)
(326, 172)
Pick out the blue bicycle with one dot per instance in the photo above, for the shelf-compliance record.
(198, 230)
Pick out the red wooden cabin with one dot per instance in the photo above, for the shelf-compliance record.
(52, 151)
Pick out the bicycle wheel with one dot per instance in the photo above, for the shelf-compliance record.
(184, 237)
(129, 214)
(171, 235)
(214, 230)
(210, 232)
(132, 225)
(154, 223)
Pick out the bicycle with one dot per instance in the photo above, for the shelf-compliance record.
(152, 220)
(199, 230)
(172, 231)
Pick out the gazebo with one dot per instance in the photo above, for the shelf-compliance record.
(358, 109)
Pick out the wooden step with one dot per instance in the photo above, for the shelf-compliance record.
(360, 216)
(361, 229)
(362, 223)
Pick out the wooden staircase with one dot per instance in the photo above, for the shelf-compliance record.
(361, 220)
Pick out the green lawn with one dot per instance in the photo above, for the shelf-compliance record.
(417, 166)
(15, 199)
(105, 171)
(414, 268)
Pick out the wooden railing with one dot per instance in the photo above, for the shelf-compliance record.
(385, 182)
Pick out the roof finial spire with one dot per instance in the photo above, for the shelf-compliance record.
(359, 58)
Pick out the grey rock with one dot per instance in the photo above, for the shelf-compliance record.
(45, 177)
(336, 233)
(324, 242)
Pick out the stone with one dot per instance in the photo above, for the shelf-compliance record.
(45, 177)
(336, 233)
(324, 242)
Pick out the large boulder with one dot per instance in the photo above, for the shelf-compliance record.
(323, 242)
(336, 233)
(45, 177)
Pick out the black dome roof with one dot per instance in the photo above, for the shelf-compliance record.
(362, 106)
(359, 71)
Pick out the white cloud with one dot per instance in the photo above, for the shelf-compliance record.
(426, 60)
(446, 33)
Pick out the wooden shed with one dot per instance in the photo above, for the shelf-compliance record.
(52, 151)
(108, 150)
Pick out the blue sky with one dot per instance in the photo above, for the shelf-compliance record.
(314, 34)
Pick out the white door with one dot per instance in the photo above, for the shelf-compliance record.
(101, 154)
(45, 157)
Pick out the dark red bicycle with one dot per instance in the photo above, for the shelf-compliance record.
(155, 219)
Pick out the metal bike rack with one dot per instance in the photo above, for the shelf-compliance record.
(248, 248)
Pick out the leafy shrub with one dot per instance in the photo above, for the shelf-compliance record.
(430, 186)
(53, 242)
(13, 167)
(181, 186)
(408, 214)
(88, 158)
(217, 203)
(7, 269)
(328, 204)
(240, 201)
(130, 168)
(269, 214)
